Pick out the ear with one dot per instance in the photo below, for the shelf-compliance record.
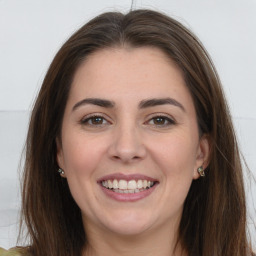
(203, 155)
(60, 158)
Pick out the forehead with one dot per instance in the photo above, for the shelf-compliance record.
(123, 73)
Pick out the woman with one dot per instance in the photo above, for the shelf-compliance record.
(131, 149)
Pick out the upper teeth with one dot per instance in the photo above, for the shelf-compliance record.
(124, 184)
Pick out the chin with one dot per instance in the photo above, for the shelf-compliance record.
(128, 224)
(129, 229)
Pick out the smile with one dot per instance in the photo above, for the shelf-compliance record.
(130, 186)
(127, 188)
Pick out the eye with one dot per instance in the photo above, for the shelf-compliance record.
(95, 120)
(161, 121)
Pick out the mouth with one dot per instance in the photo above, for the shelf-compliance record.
(127, 187)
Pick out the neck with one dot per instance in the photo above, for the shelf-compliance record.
(161, 242)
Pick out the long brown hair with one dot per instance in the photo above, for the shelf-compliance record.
(214, 215)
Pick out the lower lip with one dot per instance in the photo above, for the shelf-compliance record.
(129, 197)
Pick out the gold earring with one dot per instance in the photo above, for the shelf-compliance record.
(200, 170)
(61, 172)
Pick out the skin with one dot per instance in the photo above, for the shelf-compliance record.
(128, 139)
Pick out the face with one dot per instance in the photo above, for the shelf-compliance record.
(130, 146)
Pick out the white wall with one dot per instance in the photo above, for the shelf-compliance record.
(32, 31)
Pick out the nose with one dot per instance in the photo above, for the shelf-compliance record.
(127, 145)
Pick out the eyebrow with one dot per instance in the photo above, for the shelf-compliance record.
(94, 101)
(142, 105)
(161, 101)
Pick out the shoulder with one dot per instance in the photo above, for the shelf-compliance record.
(17, 251)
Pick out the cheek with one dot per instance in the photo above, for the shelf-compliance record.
(81, 157)
(175, 158)
(81, 154)
(177, 154)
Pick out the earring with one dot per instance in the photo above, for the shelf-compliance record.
(200, 170)
(61, 172)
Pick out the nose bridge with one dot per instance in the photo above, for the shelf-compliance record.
(127, 144)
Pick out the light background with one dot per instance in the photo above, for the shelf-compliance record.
(31, 31)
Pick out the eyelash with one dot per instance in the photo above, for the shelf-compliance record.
(167, 121)
(87, 121)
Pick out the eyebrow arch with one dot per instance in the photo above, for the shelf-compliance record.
(94, 101)
(161, 101)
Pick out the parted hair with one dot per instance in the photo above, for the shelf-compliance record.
(213, 221)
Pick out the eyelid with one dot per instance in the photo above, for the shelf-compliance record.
(171, 121)
(167, 117)
(87, 117)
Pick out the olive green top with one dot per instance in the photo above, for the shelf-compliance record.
(17, 251)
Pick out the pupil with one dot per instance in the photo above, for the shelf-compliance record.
(159, 120)
(97, 120)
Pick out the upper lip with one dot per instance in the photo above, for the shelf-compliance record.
(121, 176)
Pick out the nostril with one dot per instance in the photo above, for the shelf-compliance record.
(126, 149)
(125, 158)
